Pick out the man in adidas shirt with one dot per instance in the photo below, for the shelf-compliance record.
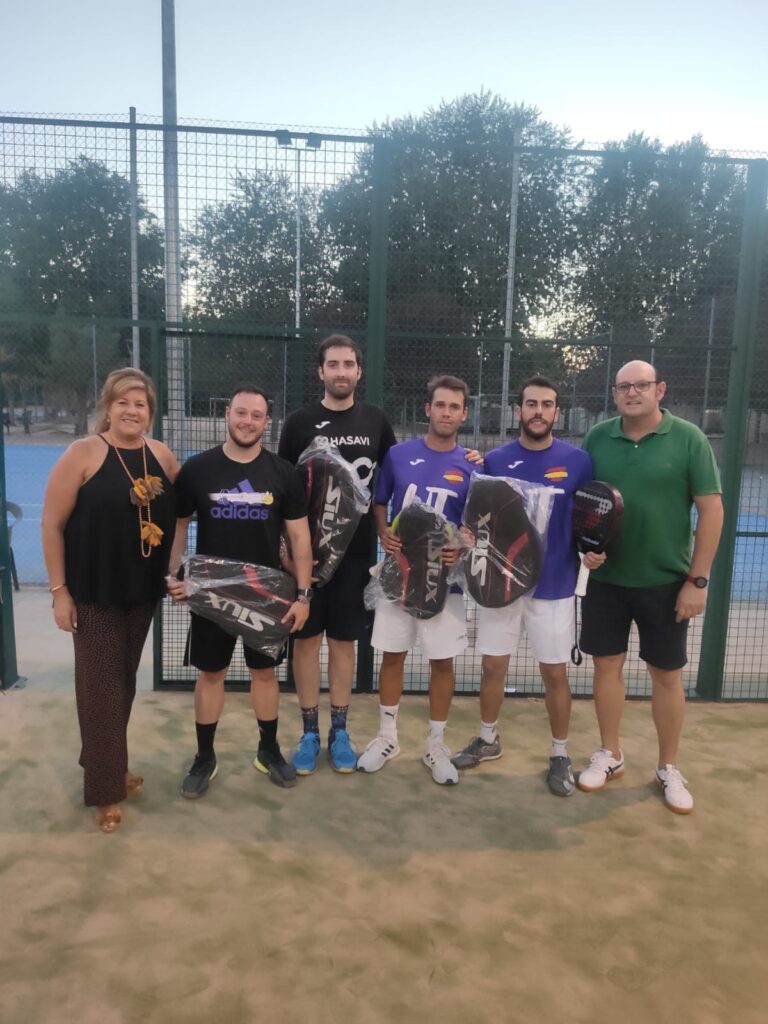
(548, 613)
(362, 433)
(433, 469)
(244, 496)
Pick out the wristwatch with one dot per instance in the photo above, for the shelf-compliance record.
(304, 592)
(698, 581)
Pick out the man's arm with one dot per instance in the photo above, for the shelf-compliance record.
(176, 587)
(389, 541)
(179, 545)
(286, 447)
(387, 440)
(691, 600)
(297, 531)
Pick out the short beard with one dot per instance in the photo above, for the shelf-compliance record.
(341, 390)
(536, 437)
(243, 444)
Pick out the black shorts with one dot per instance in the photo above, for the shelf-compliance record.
(607, 613)
(337, 609)
(209, 648)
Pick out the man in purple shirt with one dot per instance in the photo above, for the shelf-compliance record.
(548, 613)
(434, 470)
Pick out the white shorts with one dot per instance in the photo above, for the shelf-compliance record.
(444, 636)
(549, 625)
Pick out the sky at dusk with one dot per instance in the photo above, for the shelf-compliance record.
(602, 69)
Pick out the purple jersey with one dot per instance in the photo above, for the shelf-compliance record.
(565, 468)
(412, 470)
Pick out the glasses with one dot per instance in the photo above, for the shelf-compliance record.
(640, 386)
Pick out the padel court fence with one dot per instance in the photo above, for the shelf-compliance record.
(491, 257)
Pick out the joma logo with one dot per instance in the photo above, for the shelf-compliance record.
(330, 511)
(478, 562)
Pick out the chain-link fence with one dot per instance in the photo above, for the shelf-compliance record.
(491, 254)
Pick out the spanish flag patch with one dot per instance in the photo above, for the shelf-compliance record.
(454, 477)
(556, 473)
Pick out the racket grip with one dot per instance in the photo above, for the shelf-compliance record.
(581, 582)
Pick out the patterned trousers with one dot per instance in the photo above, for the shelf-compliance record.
(108, 646)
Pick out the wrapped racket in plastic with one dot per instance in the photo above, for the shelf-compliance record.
(508, 519)
(337, 502)
(245, 600)
(416, 578)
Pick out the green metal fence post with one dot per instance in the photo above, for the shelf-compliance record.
(709, 682)
(9, 673)
(377, 271)
(156, 365)
(296, 361)
(377, 327)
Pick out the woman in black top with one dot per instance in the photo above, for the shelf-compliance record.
(108, 523)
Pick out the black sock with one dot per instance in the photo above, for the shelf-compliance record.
(267, 734)
(205, 735)
(311, 719)
(339, 716)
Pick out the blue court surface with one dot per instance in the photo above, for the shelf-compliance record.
(27, 468)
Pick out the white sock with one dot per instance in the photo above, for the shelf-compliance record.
(437, 730)
(559, 748)
(488, 732)
(388, 720)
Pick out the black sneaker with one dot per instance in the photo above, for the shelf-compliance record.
(273, 764)
(195, 783)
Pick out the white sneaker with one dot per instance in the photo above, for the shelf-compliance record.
(377, 753)
(676, 796)
(602, 767)
(437, 757)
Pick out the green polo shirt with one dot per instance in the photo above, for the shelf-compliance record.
(658, 477)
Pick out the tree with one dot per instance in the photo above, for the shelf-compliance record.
(243, 252)
(67, 242)
(449, 230)
(658, 237)
(66, 250)
(76, 355)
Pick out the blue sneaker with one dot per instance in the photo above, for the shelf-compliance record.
(340, 750)
(306, 754)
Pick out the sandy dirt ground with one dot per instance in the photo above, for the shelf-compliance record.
(378, 899)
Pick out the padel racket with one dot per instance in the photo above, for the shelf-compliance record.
(416, 578)
(506, 559)
(596, 520)
(336, 505)
(245, 600)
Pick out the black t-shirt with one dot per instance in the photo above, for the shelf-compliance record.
(363, 435)
(240, 506)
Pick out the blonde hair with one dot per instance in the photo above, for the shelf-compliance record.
(116, 385)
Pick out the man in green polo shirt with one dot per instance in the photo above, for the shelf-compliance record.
(663, 466)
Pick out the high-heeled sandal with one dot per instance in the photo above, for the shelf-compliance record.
(134, 784)
(109, 819)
